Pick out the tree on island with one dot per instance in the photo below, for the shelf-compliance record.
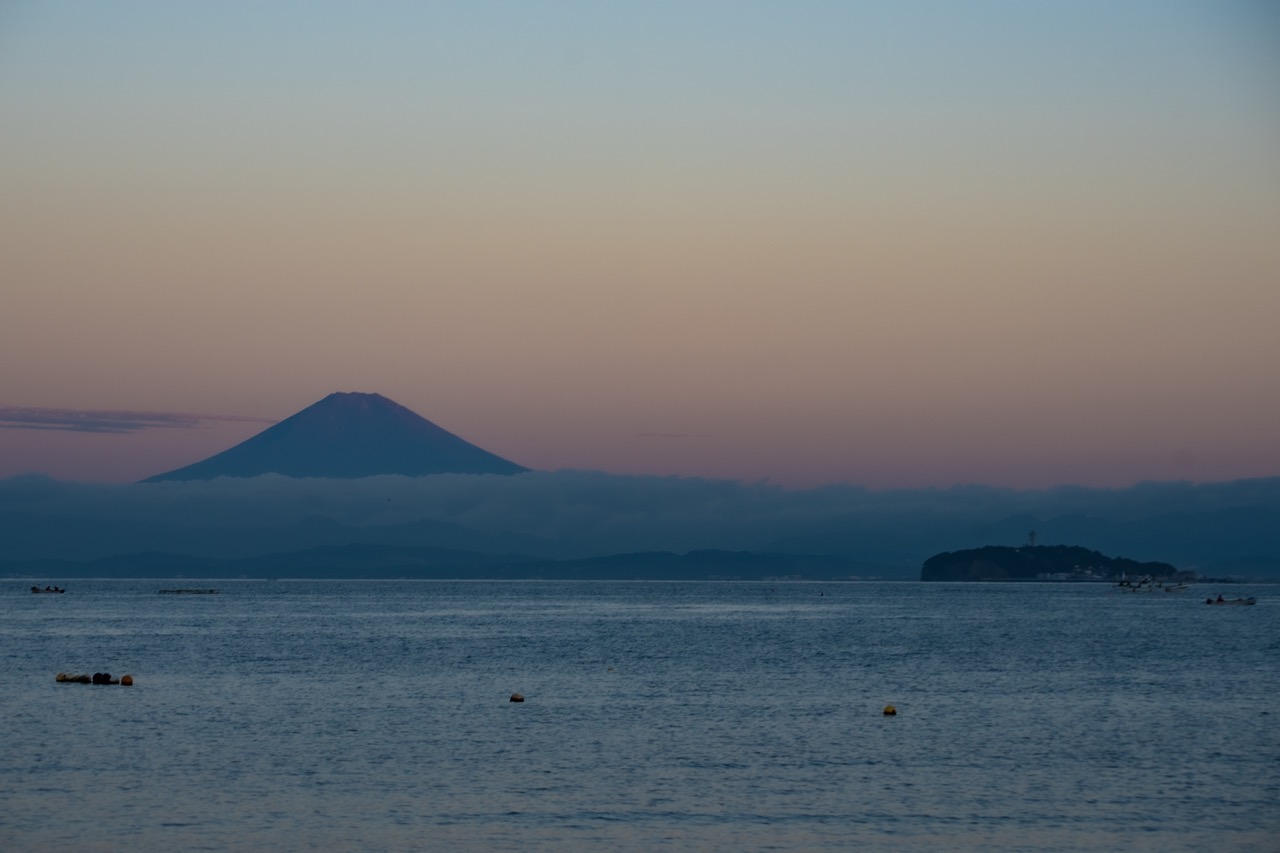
(1036, 562)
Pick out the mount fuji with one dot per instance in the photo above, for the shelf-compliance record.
(345, 436)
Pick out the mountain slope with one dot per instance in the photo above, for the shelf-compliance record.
(348, 435)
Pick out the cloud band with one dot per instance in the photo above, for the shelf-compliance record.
(105, 420)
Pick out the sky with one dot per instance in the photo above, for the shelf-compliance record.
(890, 244)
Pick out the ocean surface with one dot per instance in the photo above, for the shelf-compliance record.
(681, 716)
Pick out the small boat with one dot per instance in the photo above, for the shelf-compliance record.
(1148, 584)
(49, 589)
(1143, 584)
(1221, 600)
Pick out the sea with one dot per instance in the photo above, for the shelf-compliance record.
(377, 716)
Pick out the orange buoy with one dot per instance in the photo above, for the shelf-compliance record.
(890, 711)
(126, 680)
(516, 697)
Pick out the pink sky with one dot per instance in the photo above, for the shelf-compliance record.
(806, 244)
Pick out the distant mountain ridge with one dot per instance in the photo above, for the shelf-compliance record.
(346, 436)
(367, 561)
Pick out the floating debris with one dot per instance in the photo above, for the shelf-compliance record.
(96, 678)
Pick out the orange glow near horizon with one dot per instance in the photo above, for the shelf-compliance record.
(804, 245)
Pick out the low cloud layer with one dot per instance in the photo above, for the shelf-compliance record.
(584, 513)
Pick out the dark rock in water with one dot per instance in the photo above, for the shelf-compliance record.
(96, 678)
(1035, 562)
(348, 435)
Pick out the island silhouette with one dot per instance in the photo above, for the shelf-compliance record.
(1036, 562)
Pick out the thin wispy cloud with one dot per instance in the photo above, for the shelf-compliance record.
(107, 420)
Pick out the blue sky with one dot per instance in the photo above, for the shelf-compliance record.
(894, 244)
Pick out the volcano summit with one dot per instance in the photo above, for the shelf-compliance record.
(348, 435)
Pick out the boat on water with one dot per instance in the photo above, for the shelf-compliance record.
(49, 589)
(1149, 584)
(1221, 600)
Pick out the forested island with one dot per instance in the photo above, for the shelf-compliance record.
(1036, 562)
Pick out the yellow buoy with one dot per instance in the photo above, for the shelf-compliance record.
(126, 680)
(890, 711)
